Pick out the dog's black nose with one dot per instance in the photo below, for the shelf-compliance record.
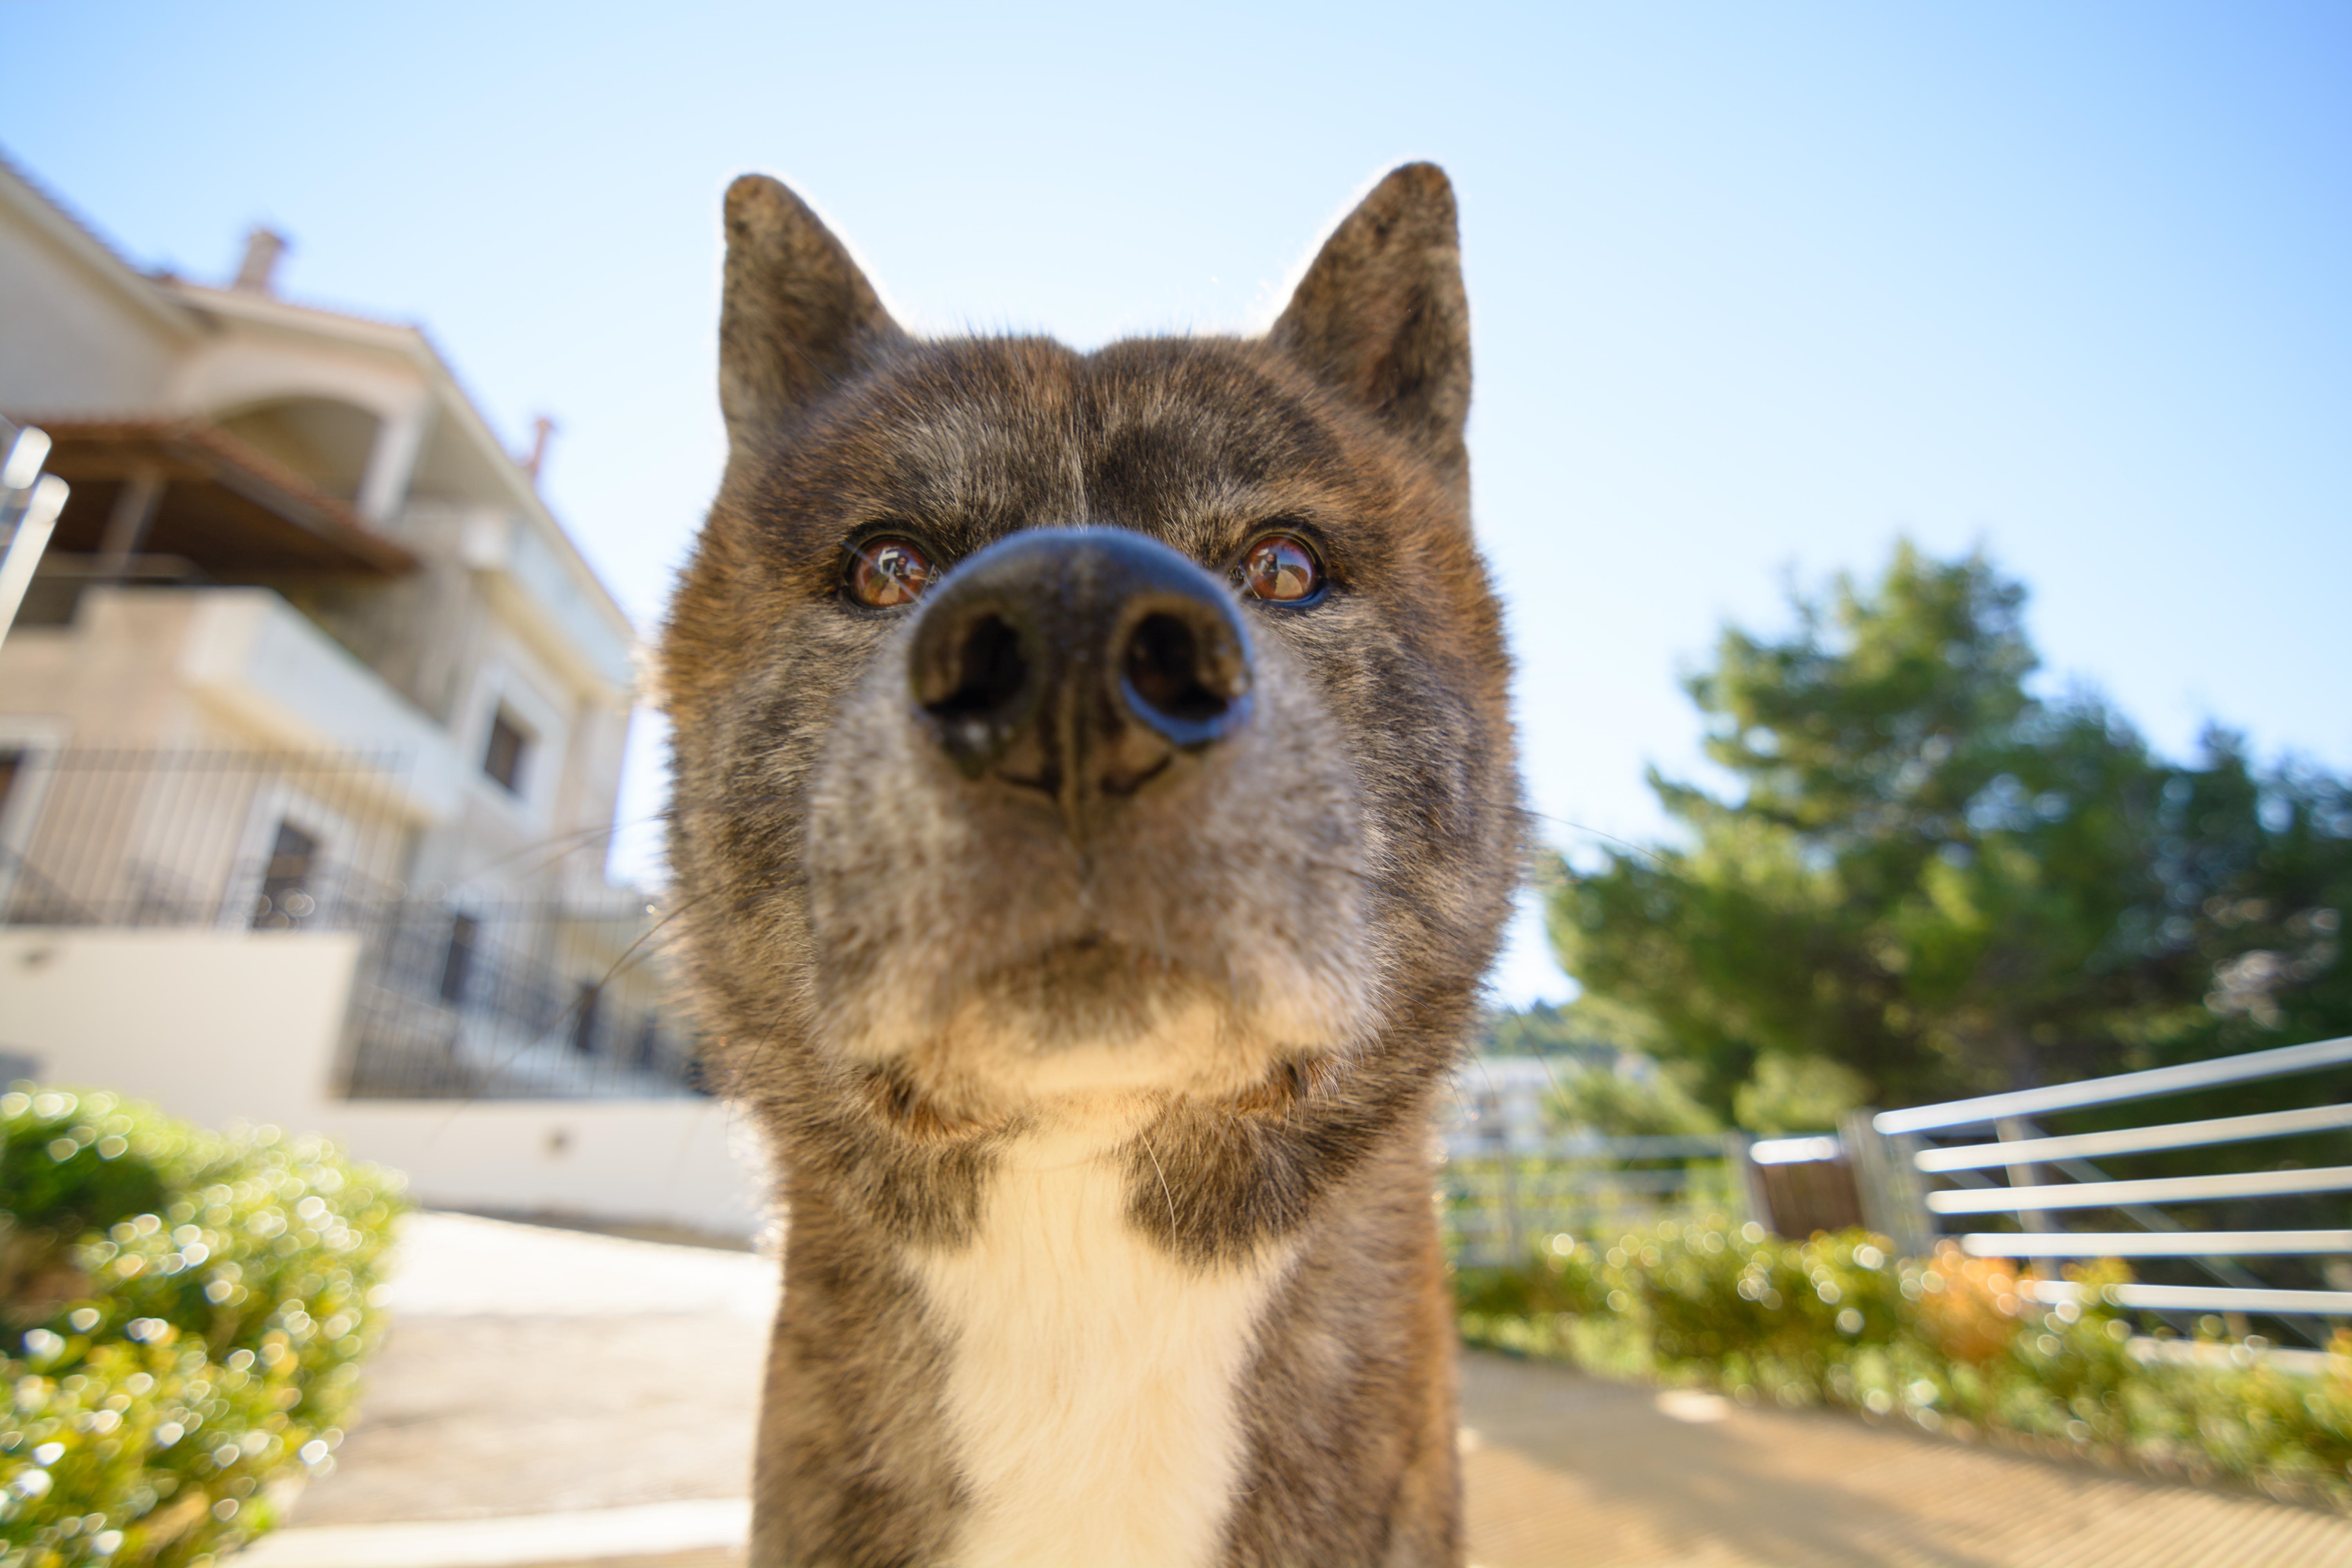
(1079, 663)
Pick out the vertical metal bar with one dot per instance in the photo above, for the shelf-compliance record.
(1894, 1198)
(127, 522)
(2024, 1172)
(1515, 1248)
(1742, 1167)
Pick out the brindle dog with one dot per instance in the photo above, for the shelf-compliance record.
(1094, 812)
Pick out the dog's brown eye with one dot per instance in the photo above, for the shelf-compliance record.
(1279, 569)
(883, 572)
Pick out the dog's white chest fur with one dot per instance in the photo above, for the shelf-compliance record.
(1092, 1393)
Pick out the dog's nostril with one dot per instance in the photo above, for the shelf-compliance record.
(972, 681)
(1163, 670)
(988, 674)
(1190, 689)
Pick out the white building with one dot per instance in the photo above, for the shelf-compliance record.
(1501, 1106)
(311, 735)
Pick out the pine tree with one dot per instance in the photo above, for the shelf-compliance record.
(1934, 878)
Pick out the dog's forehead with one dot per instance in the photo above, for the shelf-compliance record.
(1186, 439)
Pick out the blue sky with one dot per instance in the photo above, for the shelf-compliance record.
(1755, 289)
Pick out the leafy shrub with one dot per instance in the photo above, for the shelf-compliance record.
(191, 1311)
(1949, 1343)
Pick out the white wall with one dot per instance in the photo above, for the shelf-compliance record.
(224, 1026)
(688, 1162)
(211, 1025)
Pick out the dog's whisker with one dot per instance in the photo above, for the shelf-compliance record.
(1174, 1227)
(1625, 844)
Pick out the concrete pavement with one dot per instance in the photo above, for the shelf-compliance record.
(551, 1399)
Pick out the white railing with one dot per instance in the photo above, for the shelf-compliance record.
(30, 502)
(1912, 1184)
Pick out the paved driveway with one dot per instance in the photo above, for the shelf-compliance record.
(1568, 1469)
(547, 1397)
(532, 1371)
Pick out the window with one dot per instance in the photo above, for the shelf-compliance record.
(503, 758)
(457, 963)
(286, 898)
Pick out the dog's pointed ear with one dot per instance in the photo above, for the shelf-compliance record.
(798, 317)
(1382, 317)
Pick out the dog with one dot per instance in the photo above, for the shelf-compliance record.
(1093, 813)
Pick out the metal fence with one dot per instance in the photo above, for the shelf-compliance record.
(516, 1002)
(1499, 1208)
(213, 838)
(2242, 1214)
(455, 997)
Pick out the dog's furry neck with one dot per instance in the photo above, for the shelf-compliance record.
(1091, 1394)
(1181, 1334)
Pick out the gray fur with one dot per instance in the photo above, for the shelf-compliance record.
(883, 949)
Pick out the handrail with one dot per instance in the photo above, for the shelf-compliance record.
(2154, 1190)
(2114, 1091)
(2195, 1298)
(2158, 1244)
(2136, 1140)
(1796, 1150)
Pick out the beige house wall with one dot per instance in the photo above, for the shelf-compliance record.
(508, 840)
(73, 338)
(109, 677)
(187, 668)
(184, 668)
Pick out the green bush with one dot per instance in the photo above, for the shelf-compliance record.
(189, 1311)
(1948, 1343)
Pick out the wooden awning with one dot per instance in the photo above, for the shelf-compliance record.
(231, 511)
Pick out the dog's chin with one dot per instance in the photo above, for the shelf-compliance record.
(1091, 991)
(1087, 1022)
